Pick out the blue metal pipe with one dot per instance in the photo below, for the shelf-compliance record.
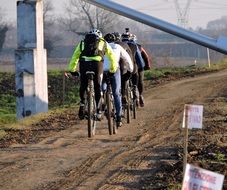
(219, 44)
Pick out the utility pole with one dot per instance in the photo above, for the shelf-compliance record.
(30, 60)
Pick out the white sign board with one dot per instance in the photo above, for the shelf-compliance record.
(194, 116)
(196, 178)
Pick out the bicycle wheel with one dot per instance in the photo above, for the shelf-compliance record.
(91, 109)
(109, 112)
(134, 102)
(113, 115)
(134, 109)
(129, 100)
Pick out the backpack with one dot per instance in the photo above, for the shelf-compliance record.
(91, 43)
(139, 59)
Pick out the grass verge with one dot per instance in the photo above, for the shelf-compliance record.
(63, 92)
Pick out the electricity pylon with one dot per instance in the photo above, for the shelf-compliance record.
(182, 13)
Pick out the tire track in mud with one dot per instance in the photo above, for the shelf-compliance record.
(81, 176)
(121, 177)
(142, 162)
(122, 167)
(98, 166)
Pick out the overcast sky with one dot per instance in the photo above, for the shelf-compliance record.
(200, 13)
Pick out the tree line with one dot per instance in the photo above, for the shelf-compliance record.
(3, 29)
(79, 17)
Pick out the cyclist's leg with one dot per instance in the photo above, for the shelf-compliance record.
(116, 87)
(135, 85)
(98, 69)
(82, 90)
(124, 78)
(104, 88)
(141, 87)
(123, 85)
(140, 82)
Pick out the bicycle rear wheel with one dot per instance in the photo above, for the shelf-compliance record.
(134, 109)
(134, 100)
(113, 115)
(109, 112)
(91, 109)
(128, 104)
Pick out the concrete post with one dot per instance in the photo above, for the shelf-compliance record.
(30, 58)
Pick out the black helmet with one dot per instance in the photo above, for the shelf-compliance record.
(110, 38)
(125, 37)
(117, 36)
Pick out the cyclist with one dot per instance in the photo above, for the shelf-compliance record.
(138, 62)
(125, 74)
(90, 55)
(141, 70)
(120, 53)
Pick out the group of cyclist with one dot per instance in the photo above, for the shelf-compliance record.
(118, 54)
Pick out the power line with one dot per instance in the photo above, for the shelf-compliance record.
(210, 3)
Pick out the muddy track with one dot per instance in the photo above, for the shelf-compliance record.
(138, 157)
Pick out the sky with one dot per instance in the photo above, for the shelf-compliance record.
(200, 12)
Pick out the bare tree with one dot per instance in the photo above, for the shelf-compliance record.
(3, 30)
(82, 16)
(47, 9)
(50, 37)
(215, 27)
(218, 24)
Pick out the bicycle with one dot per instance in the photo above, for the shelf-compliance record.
(129, 106)
(109, 107)
(90, 104)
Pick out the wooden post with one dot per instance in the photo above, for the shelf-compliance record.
(63, 89)
(208, 57)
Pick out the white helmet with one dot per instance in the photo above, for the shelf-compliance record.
(96, 32)
(133, 37)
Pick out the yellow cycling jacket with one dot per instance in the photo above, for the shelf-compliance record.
(107, 51)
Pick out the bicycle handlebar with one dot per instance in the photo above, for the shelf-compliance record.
(72, 74)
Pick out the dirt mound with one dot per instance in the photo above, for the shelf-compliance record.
(40, 130)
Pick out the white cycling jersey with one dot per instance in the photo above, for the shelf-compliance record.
(119, 52)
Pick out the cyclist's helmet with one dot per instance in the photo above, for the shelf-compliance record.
(110, 38)
(125, 37)
(117, 36)
(133, 38)
(96, 32)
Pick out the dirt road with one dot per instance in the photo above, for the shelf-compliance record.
(145, 154)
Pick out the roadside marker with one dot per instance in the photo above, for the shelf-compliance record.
(192, 118)
(196, 178)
